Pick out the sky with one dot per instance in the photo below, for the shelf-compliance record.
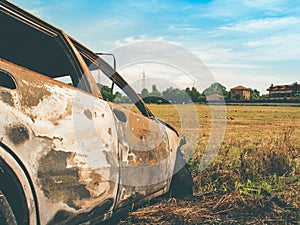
(242, 42)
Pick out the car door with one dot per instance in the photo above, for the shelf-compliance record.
(143, 156)
(143, 145)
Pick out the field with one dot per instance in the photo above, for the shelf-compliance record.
(254, 178)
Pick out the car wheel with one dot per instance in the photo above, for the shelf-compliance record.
(7, 216)
(182, 180)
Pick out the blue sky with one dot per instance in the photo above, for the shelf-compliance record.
(252, 43)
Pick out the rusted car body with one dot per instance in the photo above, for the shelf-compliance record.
(66, 155)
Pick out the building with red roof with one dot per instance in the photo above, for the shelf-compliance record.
(215, 98)
(240, 93)
(285, 91)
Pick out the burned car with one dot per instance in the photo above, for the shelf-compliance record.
(67, 156)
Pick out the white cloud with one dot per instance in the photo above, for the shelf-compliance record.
(222, 9)
(277, 47)
(212, 54)
(232, 65)
(184, 27)
(271, 5)
(142, 38)
(263, 24)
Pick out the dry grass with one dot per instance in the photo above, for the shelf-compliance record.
(214, 209)
(254, 179)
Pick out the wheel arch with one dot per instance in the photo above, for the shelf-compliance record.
(18, 175)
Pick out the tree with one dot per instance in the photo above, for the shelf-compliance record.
(175, 95)
(121, 99)
(254, 95)
(106, 92)
(155, 92)
(195, 95)
(144, 93)
(265, 97)
(217, 88)
(152, 97)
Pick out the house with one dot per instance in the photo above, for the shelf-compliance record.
(215, 98)
(240, 93)
(284, 91)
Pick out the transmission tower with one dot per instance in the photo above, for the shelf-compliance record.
(143, 75)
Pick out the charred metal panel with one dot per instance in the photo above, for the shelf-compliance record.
(17, 133)
(144, 156)
(7, 98)
(67, 140)
(52, 170)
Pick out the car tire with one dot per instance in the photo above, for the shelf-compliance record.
(7, 216)
(182, 180)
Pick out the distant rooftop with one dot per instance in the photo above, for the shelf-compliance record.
(240, 87)
(216, 95)
(283, 87)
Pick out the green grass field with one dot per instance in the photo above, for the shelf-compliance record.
(255, 177)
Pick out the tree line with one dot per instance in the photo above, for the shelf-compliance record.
(178, 96)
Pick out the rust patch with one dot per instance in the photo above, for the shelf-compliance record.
(60, 183)
(109, 131)
(31, 96)
(95, 184)
(69, 108)
(7, 98)
(17, 133)
(148, 144)
(88, 114)
(141, 127)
